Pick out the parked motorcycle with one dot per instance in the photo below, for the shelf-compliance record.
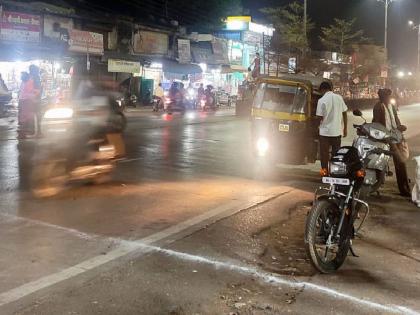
(80, 143)
(157, 104)
(339, 211)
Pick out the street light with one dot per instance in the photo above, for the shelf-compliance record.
(386, 3)
(416, 27)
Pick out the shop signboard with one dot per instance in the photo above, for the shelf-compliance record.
(57, 28)
(220, 51)
(153, 43)
(20, 27)
(123, 66)
(184, 51)
(252, 38)
(231, 35)
(86, 42)
(236, 53)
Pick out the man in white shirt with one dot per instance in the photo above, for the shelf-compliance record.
(333, 113)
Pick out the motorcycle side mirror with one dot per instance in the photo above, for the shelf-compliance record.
(357, 112)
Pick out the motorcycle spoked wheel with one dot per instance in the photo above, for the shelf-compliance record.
(323, 217)
(49, 179)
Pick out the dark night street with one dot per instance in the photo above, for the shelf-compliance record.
(190, 224)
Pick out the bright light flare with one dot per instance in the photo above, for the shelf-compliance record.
(401, 74)
(59, 113)
(262, 146)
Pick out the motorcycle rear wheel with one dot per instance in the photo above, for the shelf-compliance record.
(323, 217)
(48, 179)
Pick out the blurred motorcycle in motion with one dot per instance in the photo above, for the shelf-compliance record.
(81, 142)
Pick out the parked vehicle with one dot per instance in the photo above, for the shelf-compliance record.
(284, 116)
(157, 104)
(5, 100)
(80, 143)
(354, 172)
(369, 136)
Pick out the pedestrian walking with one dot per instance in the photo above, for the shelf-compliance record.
(332, 111)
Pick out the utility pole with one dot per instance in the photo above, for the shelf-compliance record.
(305, 21)
(386, 3)
(417, 27)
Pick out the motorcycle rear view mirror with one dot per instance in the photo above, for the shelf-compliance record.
(357, 112)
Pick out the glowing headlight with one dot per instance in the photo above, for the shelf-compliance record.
(338, 168)
(377, 134)
(393, 101)
(262, 146)
(59, 113)
(191, 92)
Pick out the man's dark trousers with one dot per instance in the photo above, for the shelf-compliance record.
(325, 143)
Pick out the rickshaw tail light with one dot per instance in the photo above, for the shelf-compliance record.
(323, 172)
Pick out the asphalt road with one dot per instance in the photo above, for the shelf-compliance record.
(187, 227)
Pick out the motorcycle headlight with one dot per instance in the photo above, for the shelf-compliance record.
(377, 134)
(393, 101)
(59, 113)
(338, 168)
(262, 146)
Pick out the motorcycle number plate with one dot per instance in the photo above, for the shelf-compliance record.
(336, 181)
(284, 127)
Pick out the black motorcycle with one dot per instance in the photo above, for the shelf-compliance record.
(338, 211)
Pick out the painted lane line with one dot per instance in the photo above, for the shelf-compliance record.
(282, 281)
(126, 247)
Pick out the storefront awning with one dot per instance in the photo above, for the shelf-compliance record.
(171, 66)
(233, 68)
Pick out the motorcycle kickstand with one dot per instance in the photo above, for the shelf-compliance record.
(352, 252)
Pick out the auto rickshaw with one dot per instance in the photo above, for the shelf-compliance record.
(284, 124)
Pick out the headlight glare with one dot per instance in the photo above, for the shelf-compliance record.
(338, 168)
(59, 113)
(262, 146)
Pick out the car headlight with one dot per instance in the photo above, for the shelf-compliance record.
(377, 134)
(262, 146)
(59, 113)
(338, 168)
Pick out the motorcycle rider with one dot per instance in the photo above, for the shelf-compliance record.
(210, 99)
(386, 114)
(159, 94)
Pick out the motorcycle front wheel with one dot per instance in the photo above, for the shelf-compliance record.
(326, 254)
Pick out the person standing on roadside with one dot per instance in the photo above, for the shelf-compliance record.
(35, 77)
(332, 110)
(386, 114)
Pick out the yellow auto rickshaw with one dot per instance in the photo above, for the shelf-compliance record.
(284, 124)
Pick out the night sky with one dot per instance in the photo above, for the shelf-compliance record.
(402, 42)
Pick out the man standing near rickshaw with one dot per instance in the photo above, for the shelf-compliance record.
(333, 113)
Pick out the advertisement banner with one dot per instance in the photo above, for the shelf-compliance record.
(184, 51)
(20, 27)
(56, 27)
(86, 42)
(123, 66)
(153, 43)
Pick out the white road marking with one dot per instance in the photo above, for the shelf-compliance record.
(126, 247)
(277, 280)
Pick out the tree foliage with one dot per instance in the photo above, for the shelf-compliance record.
(289, 23)
(341, 36)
